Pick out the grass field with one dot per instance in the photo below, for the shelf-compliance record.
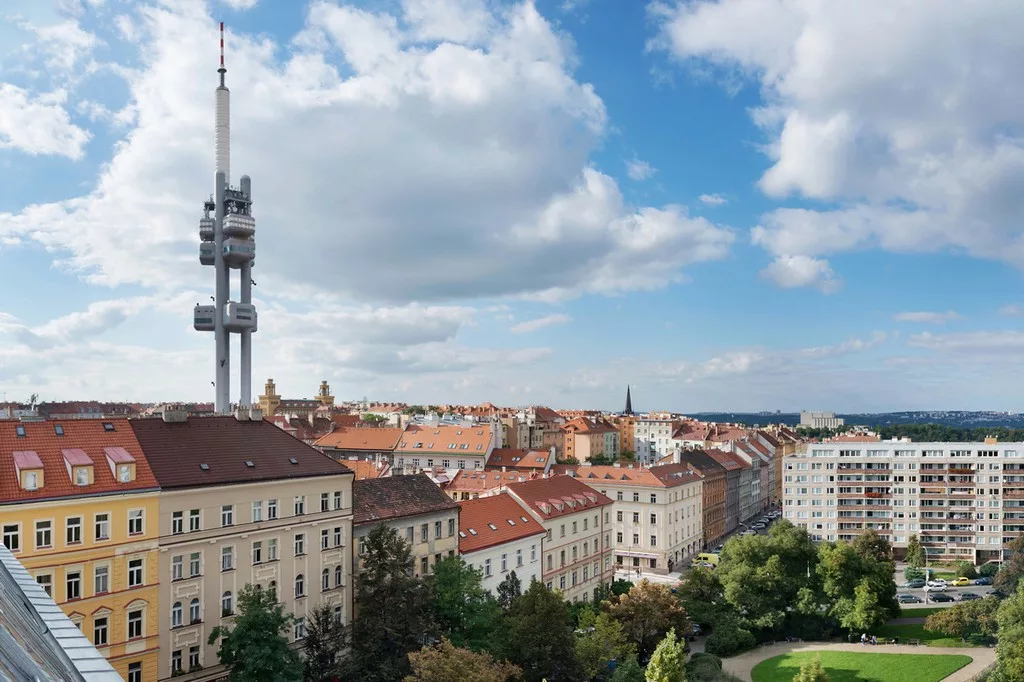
(907, 632)
(843, 666)
(907, 611)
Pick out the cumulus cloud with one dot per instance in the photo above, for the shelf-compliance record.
(539, 323)
(713, 199)
(639, 170)
(927, 317)
(801, 271)
(38, 124)
(910, 137)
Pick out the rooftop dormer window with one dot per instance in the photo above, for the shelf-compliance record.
(122, 464)
(29, 469)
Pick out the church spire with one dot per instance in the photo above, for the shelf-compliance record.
(629, 403)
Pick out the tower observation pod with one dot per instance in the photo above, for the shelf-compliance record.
(227, 243)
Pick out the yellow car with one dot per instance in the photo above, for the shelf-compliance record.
(960, 582)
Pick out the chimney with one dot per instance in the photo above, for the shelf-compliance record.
(256, 414)
(174, 414)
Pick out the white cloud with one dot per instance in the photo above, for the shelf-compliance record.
(801, 271)
(927, 317)
(38, 124)
(540, 323)
(869, 107)
(639, 170)
(1011, 310)
(713, 199)
(64, 44)
(240, 4)
(989, 346)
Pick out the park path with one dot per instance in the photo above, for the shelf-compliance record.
(741, 665)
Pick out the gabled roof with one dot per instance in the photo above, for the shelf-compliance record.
(371, 438)
(516, 458)
(772, 440)
(546, 414)
(475, 481)
(41, 445)
(445, 440)
(395, 497)
(177, 450)
(557, 496)
(729, 461)
(705, 464)
(489, 521)
(364, 468)
(659, 476)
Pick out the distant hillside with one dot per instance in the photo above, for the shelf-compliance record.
(954, 418)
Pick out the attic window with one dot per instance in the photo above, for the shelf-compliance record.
(249, 463)
(492, 526)
(479, 446)
(418, 445)
(293, 460)
(511, 522)
(462, 534)
(20, 430)
(58, 429)
(472, 531)
(451, 446)
(204, 466)
(465, 446)
(458, 433)
(108, 426)
(524, 519)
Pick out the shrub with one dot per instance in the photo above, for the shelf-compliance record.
(727, 640)
(989, 570)
(704, 668)
(711, 658)
(913, 573)
(965, 569)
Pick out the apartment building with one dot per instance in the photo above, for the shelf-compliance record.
(653, 438)
(576, 547)
(78, 508)
(371, 443)
(523, 461)
(241, 502)
(658, 513)
(497, 535)
(515, 432)
(426, 518)
(469, 485)
(733, 467)
(425, 446)
(713, 494)
(964, 501)
(750, 478)
(626, 426)
(584, 438)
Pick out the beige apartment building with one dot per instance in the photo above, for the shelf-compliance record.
(242, 502)
(577, 546)
(422, 514)
(658, 513)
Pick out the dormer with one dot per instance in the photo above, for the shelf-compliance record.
(29, 469)
(79, 466)
(122, 464)
(544, 507)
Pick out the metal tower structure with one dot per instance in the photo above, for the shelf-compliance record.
(227, 244)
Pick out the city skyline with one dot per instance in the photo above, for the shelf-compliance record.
(521, 203)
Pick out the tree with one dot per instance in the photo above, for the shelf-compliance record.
(621, 586)
(538, 638)
(668, 664)
(1010, 650)
(256, 648)
(989, 570)
(324, 644)
(1013, 567)
(702, 597)
(857, 585)
(913, 573)
(966, 619)
(394, 610)
(445, 662)
(647, 612)
(915, 552)
(600, 642)
(629, 671)
(509, 591)
(870, 545)
(464, 612)
(965, 569)
(812, 671)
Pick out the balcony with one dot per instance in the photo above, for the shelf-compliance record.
(875, 495)
(961, 470)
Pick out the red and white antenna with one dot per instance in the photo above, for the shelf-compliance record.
(222, 69)
(222, 136)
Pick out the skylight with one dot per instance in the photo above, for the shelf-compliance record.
(472, 531)
(293, 460)
(108, 426)
(204, 466)
(58, 429)
(492, 526)
(249, 463)
(20, 430)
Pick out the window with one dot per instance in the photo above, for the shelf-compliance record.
(654, 541)
(654, 519)
(424, 532)
(101, 579)
(194, 564)
(99, 631)
(177, 523)
(194, 615)
(325, 502)
(177, 568)
(194, 521)
(437, 529)
(338, 574)
(300, 544)
(451, 527)
(226, 604)
(193, 656)
(135, 670)
(574, 528)
(134, 572)
(176, 661)
(81, 476)
(325, 579)
(325, 538)
(300, 586)
(300, 505)
(504, 563)
(257, 552)
(12, 537)
(46, 582)
(272, 549)
(337, 537)
(636, 497)
(654, 499)
(271, 510)
(135, 630)
(424, 567)
(44, 534)
(487, 568)
(410, 534)
(533, 553)
(519, 557)
(300, 628)
(135, 518)
(177, 613)
(74, 530)
(227, 515)
(337, 501)
(257, 511)
(227, 558)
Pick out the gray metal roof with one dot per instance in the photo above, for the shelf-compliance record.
(38, 643)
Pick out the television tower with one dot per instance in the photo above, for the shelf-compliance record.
(227, 244)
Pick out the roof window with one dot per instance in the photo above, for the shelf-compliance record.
(58, 429)
(108, 426)
(20, 430)
(249, 463)
(293, 460)
(204, 466)
(472, 531)
(492, 526)
(524, 519)
(511, 522)
(462, 534)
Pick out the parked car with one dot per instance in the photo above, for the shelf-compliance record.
(908, 599)
(932, 586)
(998, 594)
(916, 582)
(718, 550)
(940, 597)
(960, 582)
(749, 532)
(935, 582)
(983, 580)
(969, 596)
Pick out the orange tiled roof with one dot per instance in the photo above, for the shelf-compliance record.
(469, 481)
(659, 476)
(89, 438)
(488, 521)
(558, 496)
(451, 440)
(516, 458)
(729, 461)
(365, 469)
(377, 439)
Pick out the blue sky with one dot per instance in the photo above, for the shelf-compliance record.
(730, 205)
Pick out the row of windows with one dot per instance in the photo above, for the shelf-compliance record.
(135, 622)
(262, 550)
(504, 561)
(74, 587)
(572, 579)
(328, 501)
(73, 530)
(575, 526)
(446, 463)
(574, 552)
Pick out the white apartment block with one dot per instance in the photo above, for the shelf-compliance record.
(652, 437)
(499, 536)
(964, 501)
(821, 420)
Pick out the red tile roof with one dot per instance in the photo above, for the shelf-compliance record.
(365, 468)
(42, 447)
(471, 481)
(729, 461)
(370, 438)
(488, 521)
(426, 440)
(772, 440)
(381, 499)
(516, 458)
(660, 476)
(557, 496)
(177, 451)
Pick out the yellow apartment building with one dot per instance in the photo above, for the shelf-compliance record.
(79, 509)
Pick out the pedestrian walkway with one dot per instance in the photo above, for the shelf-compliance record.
(741, 665)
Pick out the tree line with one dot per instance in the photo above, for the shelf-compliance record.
(924, 433)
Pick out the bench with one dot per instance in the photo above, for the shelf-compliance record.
(914, 642)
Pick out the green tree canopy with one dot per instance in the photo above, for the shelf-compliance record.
(445, 662)
(464, 612)
(1010, 650)
(857, 585)
(915, 552)
(629, 671)
(966, 619)
(323, 645)
(256, 648)
(509, 591)
(701, 594)
(668, 663)
(538, 636)
(600, 641)
(647, 612)
(1009, 576)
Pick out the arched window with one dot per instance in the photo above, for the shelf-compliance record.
(337, 576)
(176, 615)
(300, 585)
(226, 604)
(325, 579)
(193, 611)
(272, 588)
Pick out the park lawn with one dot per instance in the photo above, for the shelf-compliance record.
(907, 611)
(843, 666)
(917, 631)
